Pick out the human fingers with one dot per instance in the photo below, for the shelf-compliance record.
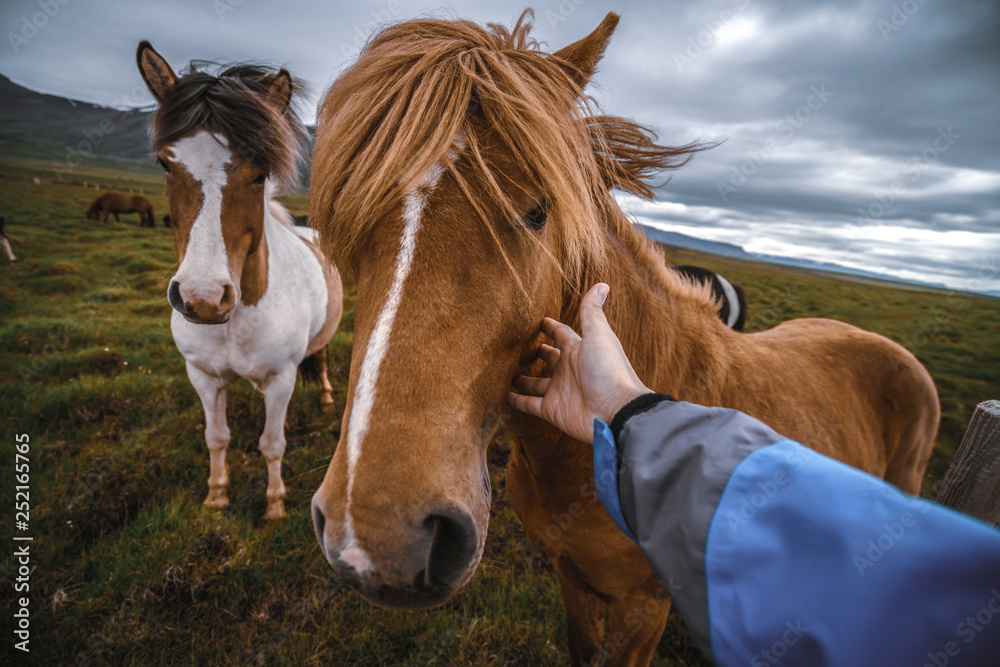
(592, 318)
(561, 333)
(531, 386)
(549, 355)
(531, 405)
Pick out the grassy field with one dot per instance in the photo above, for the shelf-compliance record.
(129, 569)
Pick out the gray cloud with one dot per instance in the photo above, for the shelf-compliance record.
(898, 74)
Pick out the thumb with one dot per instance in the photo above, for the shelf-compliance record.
(592, 318)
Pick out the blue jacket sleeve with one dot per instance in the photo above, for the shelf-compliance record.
(775, 554)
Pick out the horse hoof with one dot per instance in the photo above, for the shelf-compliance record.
(216, 501)
(275, 510)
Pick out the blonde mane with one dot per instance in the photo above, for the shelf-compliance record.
(420, 84)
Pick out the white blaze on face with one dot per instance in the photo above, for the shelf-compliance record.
(206, 264)
(364, 391)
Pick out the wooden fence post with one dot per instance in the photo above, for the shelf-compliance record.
(972, 483)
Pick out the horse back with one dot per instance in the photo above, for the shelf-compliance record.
(331, 277)
(847, 393)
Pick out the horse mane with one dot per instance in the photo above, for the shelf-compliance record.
(234, 104)
(420, 84)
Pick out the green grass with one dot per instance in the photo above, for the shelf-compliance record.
(131, 570)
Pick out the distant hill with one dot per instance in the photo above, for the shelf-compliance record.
(58, 130)
(61, 132)
(736, 252)
(691, 243)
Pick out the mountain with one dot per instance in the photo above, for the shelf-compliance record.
(729, 250)
(684, 241)
(62, 131)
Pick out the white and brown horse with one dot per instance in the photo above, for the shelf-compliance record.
(731, 297)
(253, 295)
(459, 175)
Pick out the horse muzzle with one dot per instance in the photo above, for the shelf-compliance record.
(422, 565)
(215, 309)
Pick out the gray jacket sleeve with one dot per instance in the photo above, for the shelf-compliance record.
(674, 459)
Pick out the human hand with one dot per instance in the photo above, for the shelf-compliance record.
(592, 377)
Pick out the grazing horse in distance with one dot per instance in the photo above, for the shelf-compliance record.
(114, 203)
(732, 297)
(460, 175)
(253, 295)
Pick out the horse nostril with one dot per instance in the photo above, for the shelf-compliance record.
(319, 525)
(175, 299)
(453, 541)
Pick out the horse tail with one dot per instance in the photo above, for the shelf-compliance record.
(150, 218)
(309, 369)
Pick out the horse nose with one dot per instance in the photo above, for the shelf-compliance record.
(449, 543)
(203, 303)
(433, 558)
(319, 524)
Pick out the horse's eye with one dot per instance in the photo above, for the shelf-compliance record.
(163, 164)
(260, 179)
(538, 216)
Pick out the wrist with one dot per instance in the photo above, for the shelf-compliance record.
(637, 405)
(621, 399)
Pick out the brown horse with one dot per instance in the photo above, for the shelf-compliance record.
(115, 203)
(459, 175)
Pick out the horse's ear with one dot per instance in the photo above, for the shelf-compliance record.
(579, 59)
(280, 89)
(155, 70)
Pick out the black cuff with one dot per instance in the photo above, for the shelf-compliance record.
(634, 407)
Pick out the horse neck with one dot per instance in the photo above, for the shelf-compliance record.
(671, 337)
(669, 332)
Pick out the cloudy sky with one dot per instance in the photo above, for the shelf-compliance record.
(864, 133)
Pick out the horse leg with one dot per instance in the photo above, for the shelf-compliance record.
(272, 442)
(212, 392)
(326, 394)
(585, 620)
(636, 623)
(117, 219)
